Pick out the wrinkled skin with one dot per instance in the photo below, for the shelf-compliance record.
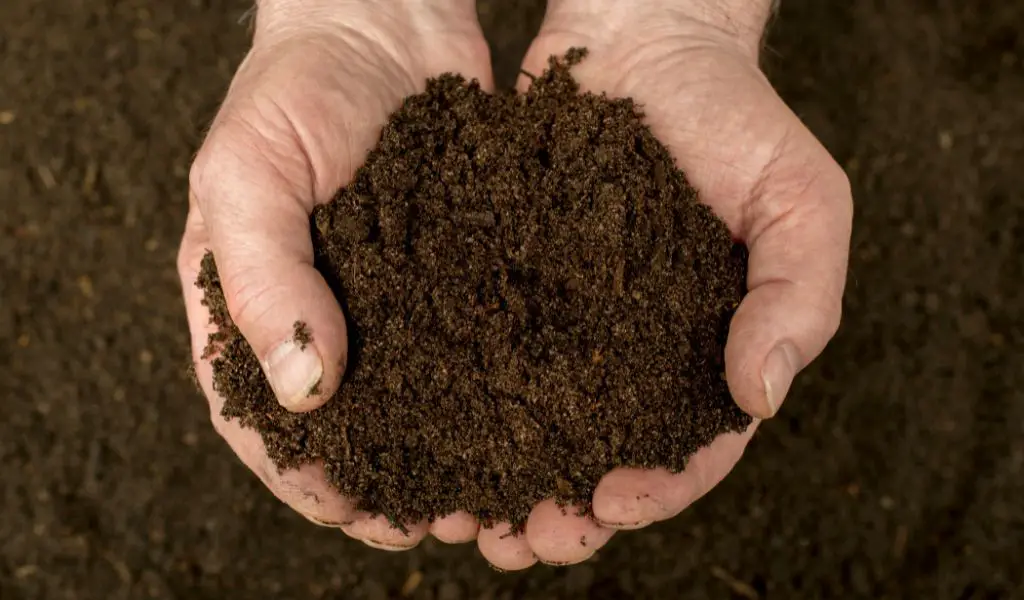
(308, 103)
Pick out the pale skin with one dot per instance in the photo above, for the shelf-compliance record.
(307, 104)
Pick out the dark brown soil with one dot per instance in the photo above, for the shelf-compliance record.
(534, 296)
(896, 469)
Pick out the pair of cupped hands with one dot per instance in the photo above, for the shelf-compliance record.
(308, 103)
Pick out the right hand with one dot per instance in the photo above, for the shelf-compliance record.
(305, 107)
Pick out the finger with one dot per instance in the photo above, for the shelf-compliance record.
(561, 536)
(305, 489)
(634, 498)
(378, 532)
(504, 550)
(798, 233)
(255, 194)
(456, 528)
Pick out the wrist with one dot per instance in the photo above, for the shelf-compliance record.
(739, 22)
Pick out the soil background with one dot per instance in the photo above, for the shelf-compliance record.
(894, 471)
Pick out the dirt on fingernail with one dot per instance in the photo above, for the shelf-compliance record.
(534, 295)
(302, 335)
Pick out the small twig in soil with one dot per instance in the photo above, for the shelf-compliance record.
(247, 15)
(738, 587)
(396, 524)
(46, 176)
(413, 582)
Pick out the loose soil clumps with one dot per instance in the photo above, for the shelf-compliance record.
(535, 296)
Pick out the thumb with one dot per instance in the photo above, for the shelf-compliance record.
(255, 198)
(798, 236)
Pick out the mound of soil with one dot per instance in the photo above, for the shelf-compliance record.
(535, 296)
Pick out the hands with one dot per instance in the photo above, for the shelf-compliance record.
(307, 104)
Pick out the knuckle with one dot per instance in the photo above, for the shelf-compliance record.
(841, 190)
(191, 249)
(201, 166)
(239, 137)
(248, 297)
(293, 493)
(218, 157)
(278, 482)
(834, 318)
(834, 175)
(220, 424)
(183, 261)
(271, 477)
(828, 318)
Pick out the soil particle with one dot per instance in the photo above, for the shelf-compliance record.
(302, 336)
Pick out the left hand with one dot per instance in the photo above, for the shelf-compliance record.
(693, 68)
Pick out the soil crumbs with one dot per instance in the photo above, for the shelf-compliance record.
(535, 296)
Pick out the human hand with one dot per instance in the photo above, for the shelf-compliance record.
(305, 107)
(692, 67)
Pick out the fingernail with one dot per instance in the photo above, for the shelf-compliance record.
(293, 372)
(632, 510)
(387, 547)
(324, 523)
(556, 563)
(624, 526)
(462, 540)
(779, 370)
